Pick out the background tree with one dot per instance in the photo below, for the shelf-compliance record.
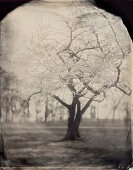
(116, 103)
(46, 110)
(8, 89)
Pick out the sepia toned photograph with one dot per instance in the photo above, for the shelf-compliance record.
(65, 87)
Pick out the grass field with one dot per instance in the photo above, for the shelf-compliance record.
(39, 145)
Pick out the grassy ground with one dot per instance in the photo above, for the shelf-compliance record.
(39, 145)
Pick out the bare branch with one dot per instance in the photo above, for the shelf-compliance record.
(104, 96)
(61, 101)
(74, 37)
(113, 33)
(33, 95)
(85, 49)
(127, 93)
(86, 85)
(87, 105)
(119, 72)
(98, 42)
(71, 35)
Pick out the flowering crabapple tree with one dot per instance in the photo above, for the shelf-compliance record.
(80, 60)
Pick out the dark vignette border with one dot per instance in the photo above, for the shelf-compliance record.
(122, 8)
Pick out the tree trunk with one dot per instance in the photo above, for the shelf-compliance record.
(12, 117)
(113, 119)
(27, 115)
(77, 124)
(36, 118)
(74, 122)
(6, 118)
(24, 118)
(46, 111)
(73, 128)
(2, 146)
(75, 114)
(2, 150)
